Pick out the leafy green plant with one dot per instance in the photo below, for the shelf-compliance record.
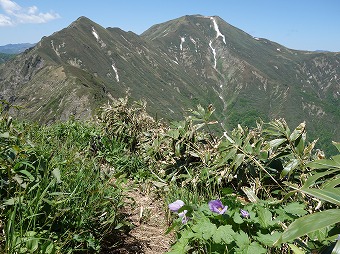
(233, 228)
(61, 185)
(126, 123)
(323, 185)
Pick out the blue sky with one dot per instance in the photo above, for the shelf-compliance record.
(297, 24)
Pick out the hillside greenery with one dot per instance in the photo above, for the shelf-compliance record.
(176, 65)
(5, 57)
(248, 191)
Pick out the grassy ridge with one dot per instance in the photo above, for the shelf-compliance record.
(61, 188)
(55, 195)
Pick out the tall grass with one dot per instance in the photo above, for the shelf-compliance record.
(56, 196)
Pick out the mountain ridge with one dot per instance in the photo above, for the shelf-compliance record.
(175, 65)
(16, 48)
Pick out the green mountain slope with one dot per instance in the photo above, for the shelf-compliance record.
(174, 66)
(5, 57)
(256, 77)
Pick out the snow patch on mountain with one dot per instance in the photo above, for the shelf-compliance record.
(218, 33)
(182, 41)
(116, 71)
(94, 32)
(100, 41)
(194, 42)
(214, 53)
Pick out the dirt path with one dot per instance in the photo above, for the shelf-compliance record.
(149, 218)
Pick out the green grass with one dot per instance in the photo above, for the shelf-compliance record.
(63, 185)
(56, 196)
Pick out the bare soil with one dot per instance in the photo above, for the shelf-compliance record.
(145, 210)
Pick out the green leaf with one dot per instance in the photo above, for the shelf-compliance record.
(32, 242)
(289, 168)
(28, 174)
(298, 131)
(295, 209)
(265, 217)
(180, 247)
(224, 234)
(237, 218)
(332, 183)
(242, 239)
(182, 244)
(48, 248)
(282, 215)
(245, 246)
(300, 146)
(178, 149)
(336, 249)
(336, 158)
(268, 239)
(250, 194)
(337, 145)
(254, 247)
(204, 229)
(324, 163)
(228, 138)
(309, 148)
(313, 178)
(319, 235)
(276, 142)
(331, 195)
(309, 223)
(238, 160)
(295, 249)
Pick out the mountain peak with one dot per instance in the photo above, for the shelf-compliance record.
(174, 65)
(83, 19)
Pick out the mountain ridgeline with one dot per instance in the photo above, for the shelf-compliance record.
(175, 66)
(15, 48)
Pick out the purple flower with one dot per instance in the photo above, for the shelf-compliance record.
(216, 206)
(183, 216)
(244, 213)
(175, 206)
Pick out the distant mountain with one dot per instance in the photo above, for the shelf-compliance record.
(321, 51)
(175, 66)
(15, 48)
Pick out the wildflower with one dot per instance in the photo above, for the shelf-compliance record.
(216, 206)
(183, 216)
(175, 206)
(244, 213)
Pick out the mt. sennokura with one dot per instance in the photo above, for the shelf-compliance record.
(175, 66)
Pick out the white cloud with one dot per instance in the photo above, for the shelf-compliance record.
(16, 14)
(9, 6)
(5, 21)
